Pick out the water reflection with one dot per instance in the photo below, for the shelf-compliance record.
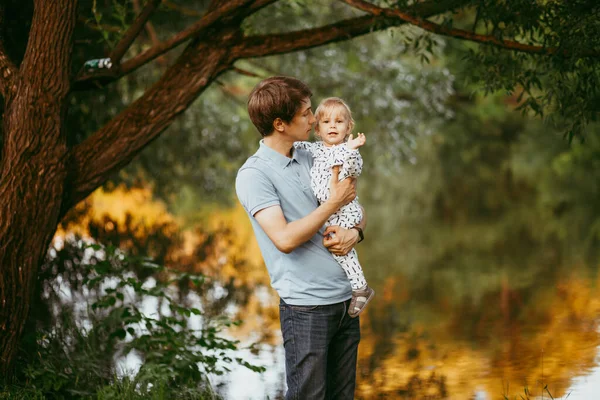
(472, 302)
(504, 344)
(463, 330)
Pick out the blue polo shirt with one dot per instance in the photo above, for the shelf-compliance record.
(309, 275)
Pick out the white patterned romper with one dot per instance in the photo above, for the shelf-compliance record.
(349, 215)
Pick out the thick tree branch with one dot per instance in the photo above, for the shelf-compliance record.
(208, 20)
(8, 70)
(194, 30)
(259, 46)
(134, 30)
(115, 144)
(459, 33)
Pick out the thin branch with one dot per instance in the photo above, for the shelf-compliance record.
(263, 67)
(246, 73)
(183, 10)
(151, 32)
(8, 70)
(459, 33)
(134, 30)
(208, 20)
(230, 94)
(258, 4)
(260, 46)
(98, 27)
(163, 47)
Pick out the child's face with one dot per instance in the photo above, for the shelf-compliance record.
(334, 127)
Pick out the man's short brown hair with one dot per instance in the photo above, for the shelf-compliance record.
(276, 97)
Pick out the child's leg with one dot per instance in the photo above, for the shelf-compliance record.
(352, 268)
(361, 292)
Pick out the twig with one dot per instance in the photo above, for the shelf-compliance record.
(134, 30)
(246, 73)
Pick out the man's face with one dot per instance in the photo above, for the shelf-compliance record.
(300, 126)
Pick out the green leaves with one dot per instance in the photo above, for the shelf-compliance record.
(119, 13)
(130, 305)
(561, 88)
(164, 340)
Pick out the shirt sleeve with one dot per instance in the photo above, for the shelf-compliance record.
(255, 190)
(350, 160)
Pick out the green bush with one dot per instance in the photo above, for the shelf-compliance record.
(96, 300)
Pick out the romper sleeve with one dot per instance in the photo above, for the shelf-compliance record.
(350, 160)
(308, 146)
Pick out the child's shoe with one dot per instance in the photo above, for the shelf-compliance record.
(360, 299)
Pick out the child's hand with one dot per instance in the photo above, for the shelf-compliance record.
(354, 144)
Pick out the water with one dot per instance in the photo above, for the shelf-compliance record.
(418, 343)
(484, 254)
(465, 309)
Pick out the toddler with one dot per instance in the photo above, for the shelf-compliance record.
(338, 147)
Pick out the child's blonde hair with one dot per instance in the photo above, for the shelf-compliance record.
(327, 106)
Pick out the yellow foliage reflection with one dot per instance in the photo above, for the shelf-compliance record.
(555, 340)
(222, 247)
(415, 345)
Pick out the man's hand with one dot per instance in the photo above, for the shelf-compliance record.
(340, 241)
(341, 193)
(354, 144)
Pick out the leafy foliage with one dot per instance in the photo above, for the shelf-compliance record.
(561, 86)
(123, 307)
(195, 160)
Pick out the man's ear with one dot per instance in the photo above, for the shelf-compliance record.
(278, 125)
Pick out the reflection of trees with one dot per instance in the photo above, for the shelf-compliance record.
(469, 267)
(485, 257)
(226, 253)
(511, 336)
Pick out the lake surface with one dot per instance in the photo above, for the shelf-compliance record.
(471, 308)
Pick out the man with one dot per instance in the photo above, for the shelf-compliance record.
(319, 337)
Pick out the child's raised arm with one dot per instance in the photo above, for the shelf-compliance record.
(349, 157)
(354, 144)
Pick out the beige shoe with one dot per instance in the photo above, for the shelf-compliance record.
(360, 299)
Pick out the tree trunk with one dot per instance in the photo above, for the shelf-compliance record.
(33, 166)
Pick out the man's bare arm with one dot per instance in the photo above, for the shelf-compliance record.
(287, 236)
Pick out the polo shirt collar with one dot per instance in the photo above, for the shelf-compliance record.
(277, 158)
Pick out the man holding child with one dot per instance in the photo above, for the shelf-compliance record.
(274, 186)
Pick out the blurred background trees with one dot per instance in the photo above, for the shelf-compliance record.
(468, 200)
